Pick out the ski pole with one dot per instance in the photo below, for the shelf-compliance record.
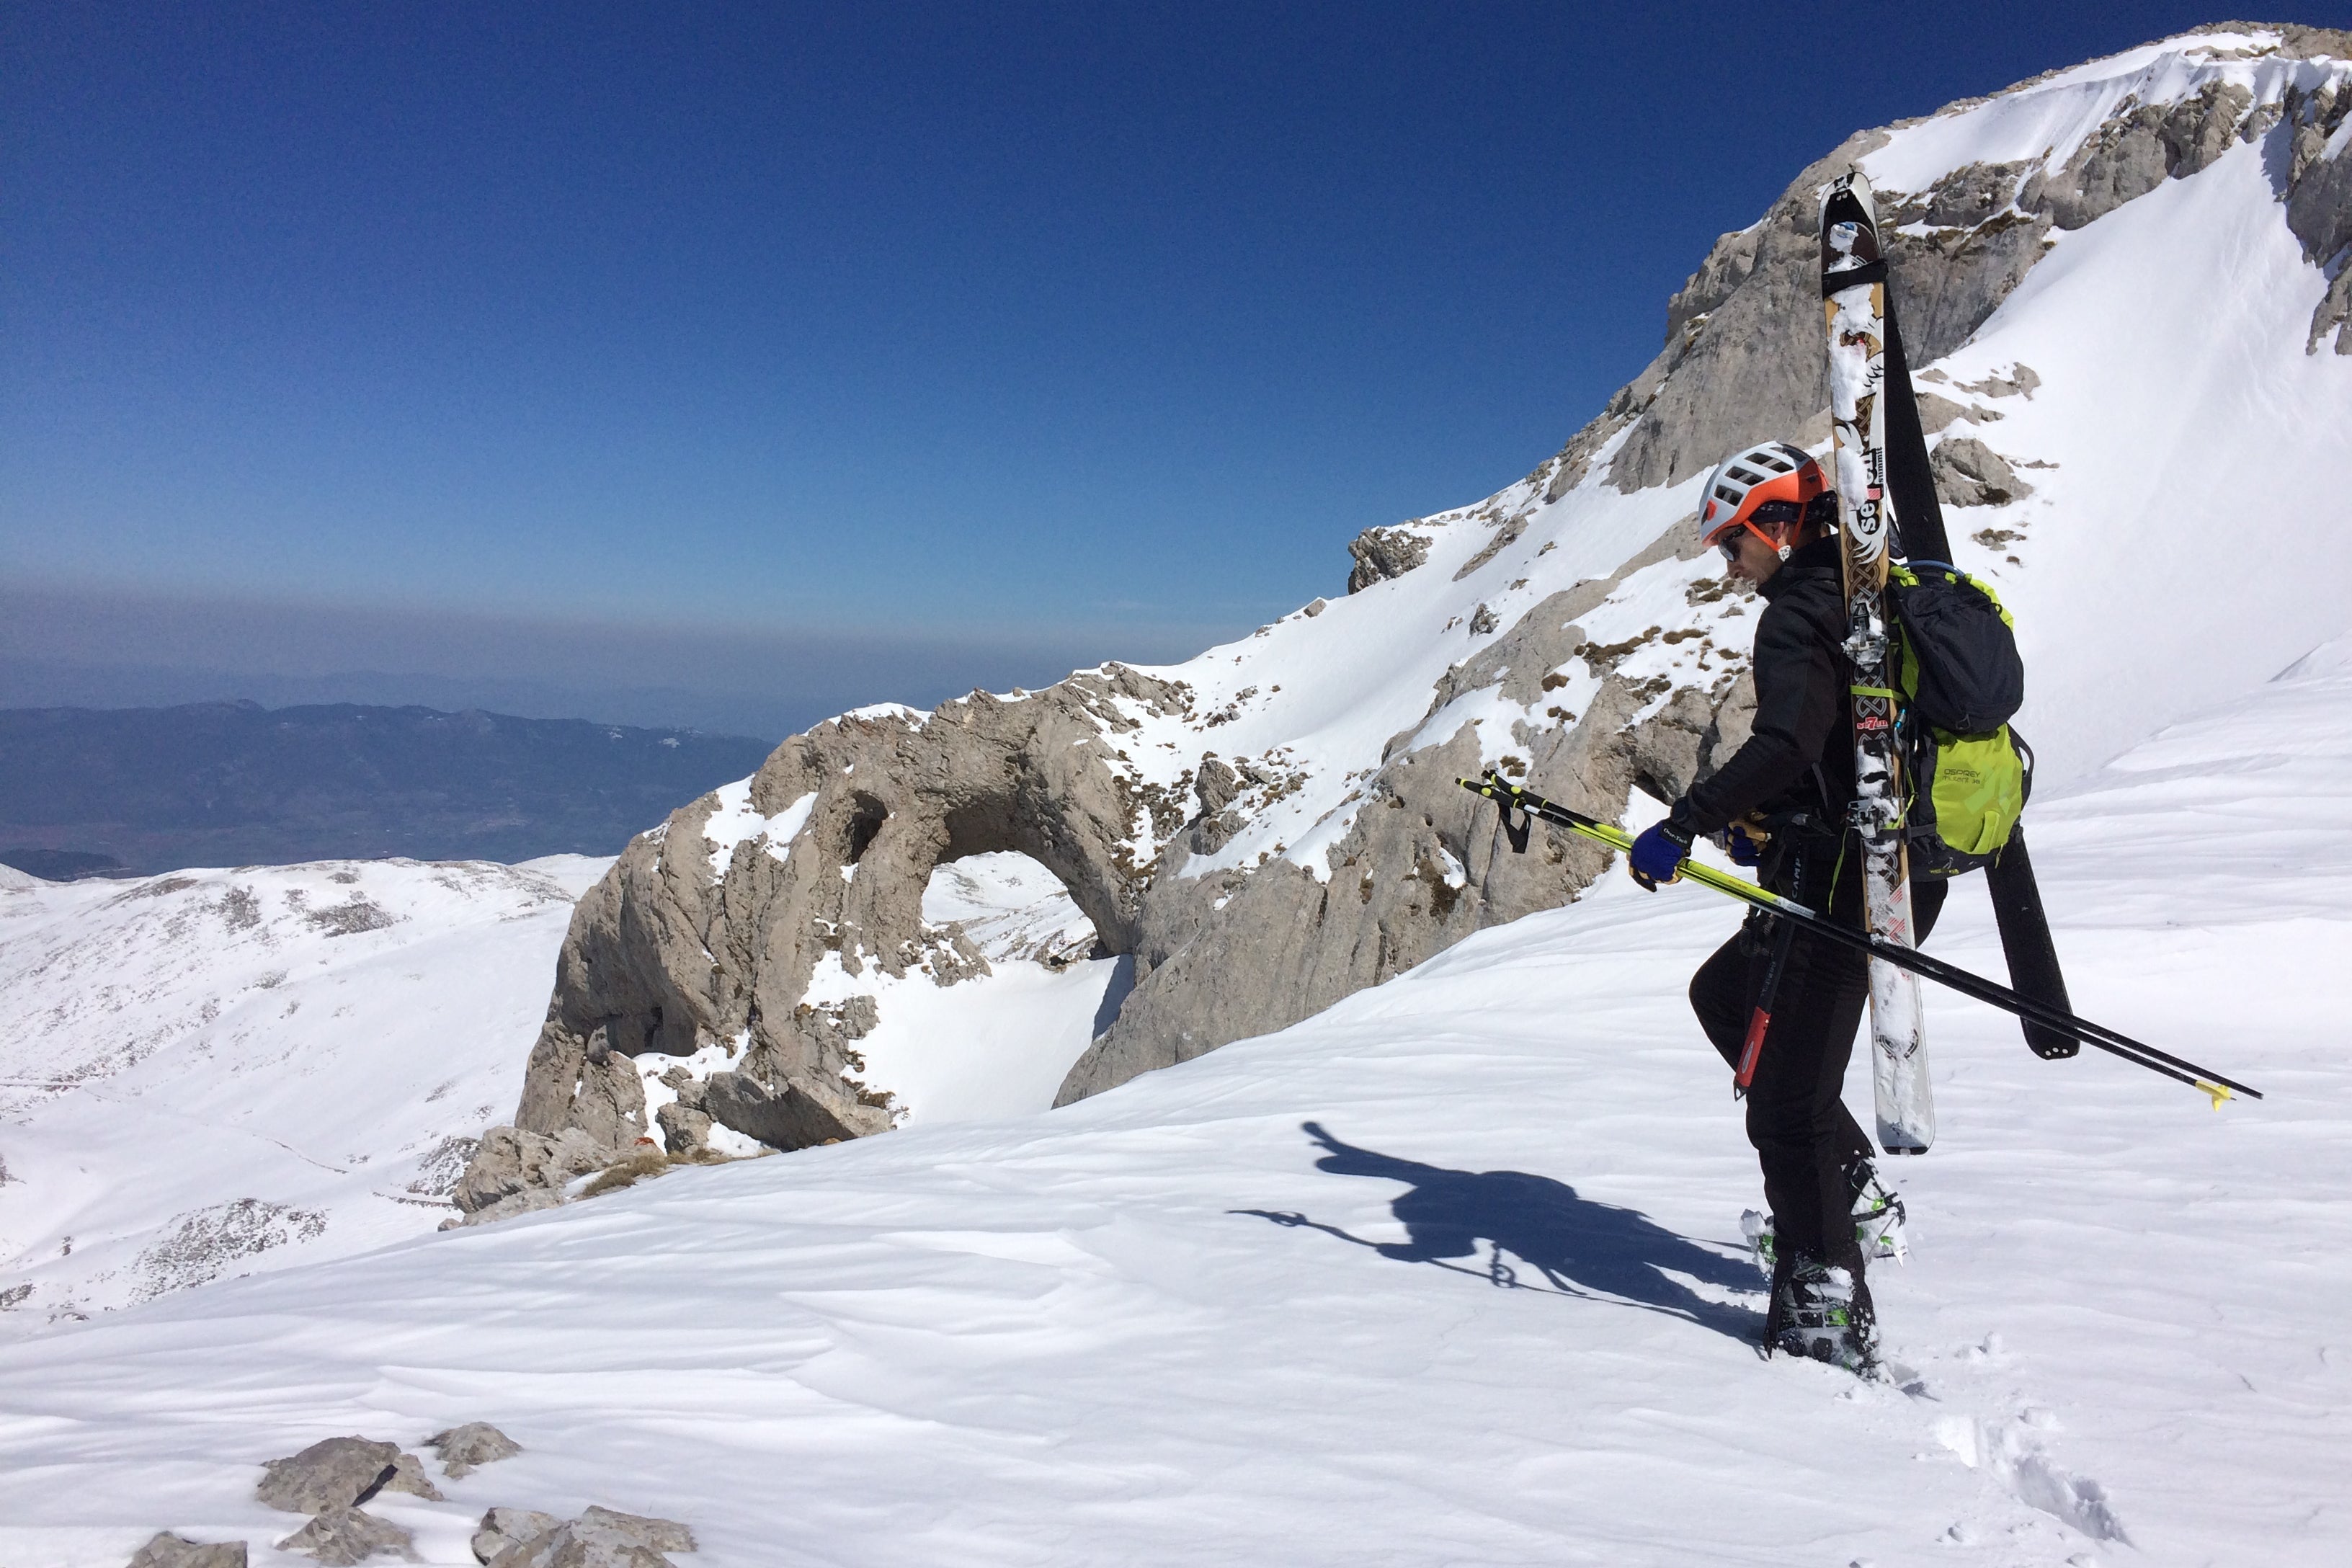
(1507, 794)
(2213, 1084)
(1958, 979)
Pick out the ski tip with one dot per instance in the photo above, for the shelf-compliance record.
(1853, 182)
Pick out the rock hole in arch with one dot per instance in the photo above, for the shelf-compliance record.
(1000, 1043)
(1014, 908)
(865, 823)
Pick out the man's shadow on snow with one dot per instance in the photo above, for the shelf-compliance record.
(1570, 1244)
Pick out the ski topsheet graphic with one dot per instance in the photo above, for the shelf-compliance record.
(1853, 288)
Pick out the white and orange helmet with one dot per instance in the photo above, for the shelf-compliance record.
(1771, 482)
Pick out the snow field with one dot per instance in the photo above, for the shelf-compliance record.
(1496, 1313)
(224, 1070)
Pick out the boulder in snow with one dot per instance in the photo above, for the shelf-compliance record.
(343, 1536)
(660, 1534)
(170, 1551)
(600, 1538)
(684, 1129)
(466, 1449)
(1381, 554)
(1969, 473)
(333, 1473)
(514, 1171)
(504, 1527)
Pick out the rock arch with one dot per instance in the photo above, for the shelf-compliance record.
(708, 931)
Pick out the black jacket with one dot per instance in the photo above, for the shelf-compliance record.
(1803, 711)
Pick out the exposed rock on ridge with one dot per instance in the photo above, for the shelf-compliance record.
(1233, 953)
(1739, 365)
(1382, 553)
(2318, 197)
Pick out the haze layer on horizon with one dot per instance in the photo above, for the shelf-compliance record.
(600, 357)
(131, 650)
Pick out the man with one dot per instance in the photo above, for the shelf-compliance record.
(1781, 804)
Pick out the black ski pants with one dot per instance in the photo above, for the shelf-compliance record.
(1805, 1139)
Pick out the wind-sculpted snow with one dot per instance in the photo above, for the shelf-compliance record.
(2112, 281)
(1448, 1273)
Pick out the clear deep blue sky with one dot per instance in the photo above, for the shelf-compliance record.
(961, 340)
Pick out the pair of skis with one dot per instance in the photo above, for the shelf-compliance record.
(1853, 294)
(1888, 499)
(2036, 1013)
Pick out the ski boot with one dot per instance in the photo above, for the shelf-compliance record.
(1823, 1313)
(1758, 1229)
(1877, 1217)
(1877, 1224)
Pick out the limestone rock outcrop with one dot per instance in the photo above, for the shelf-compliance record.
(1234, 954)
(707, 931)
(1732, 371)
(1382, 553)
(2318, 197)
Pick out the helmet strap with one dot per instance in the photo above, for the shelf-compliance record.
(1779, 547)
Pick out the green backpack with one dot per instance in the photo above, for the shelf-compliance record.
(1960, 678)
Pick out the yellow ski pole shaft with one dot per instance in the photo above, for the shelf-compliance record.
(1509, 796)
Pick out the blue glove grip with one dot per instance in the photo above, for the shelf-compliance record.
(1656, 856)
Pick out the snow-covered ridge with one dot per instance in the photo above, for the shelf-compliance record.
(2172, 307)
(1313, 692)
(2111, 279)
(2049, 119)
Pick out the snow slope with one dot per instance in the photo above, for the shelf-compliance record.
(215, 1071)
(1445, 1274)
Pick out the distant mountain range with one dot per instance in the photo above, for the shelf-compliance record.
(111, 792)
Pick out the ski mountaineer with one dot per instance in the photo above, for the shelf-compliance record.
(1779, 805)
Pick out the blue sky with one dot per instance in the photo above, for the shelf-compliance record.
(982, 338)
